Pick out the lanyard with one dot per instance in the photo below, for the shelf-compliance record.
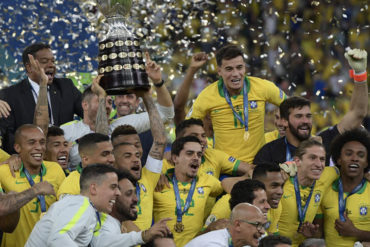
(342, 203)
(180, 212)
(245, 104)
(41, 198)
(35, 96)
(229, 240)
(138, 191)
(97, 215)
(288, 156)
(301, 213)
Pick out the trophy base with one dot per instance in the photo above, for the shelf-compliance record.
(118, 84)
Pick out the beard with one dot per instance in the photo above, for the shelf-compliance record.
(295, 132)
(125, 212)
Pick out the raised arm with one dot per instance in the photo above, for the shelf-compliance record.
(157, 128)
(182, 95)
(154, 72)
(41, 115)
(101, 122)
(357, 59)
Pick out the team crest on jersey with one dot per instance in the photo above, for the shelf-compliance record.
(231, 159)
(268, 224)
(253, 104)
(363, 210)
(317, 198)
(143, 187)
(200, 190)
(281, 93)
(210, 173)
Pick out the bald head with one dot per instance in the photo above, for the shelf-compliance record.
(245, 211)
(19, 132)
(247, 225)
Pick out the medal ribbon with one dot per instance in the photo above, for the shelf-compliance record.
(97, 216)
(180, 212)
(229, 240)
(301, 213)
(342, 202)
(245, 103)
(288, 153)
(41, 198)
(138, 192)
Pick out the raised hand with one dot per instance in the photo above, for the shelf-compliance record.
(38, 71)
(158, 230)
(198, 60)
(357, 59)
(153, 70)
(96, 88)
(4, 109)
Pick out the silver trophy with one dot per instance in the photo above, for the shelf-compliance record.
(120, 57)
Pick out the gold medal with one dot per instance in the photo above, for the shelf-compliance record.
(179, 227)
(42, 214)
(246, 135)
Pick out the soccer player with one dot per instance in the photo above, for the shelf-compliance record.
(109, 234)
(71, 221)
(129, 103)
(57, 148)
(30, 145)
(247, 225)
(188, 193)
(249, 190)
(280, 125)
(303, 193)
(93, 148)
(128, 158)
(236, 104)
(345, 206)
(296, 111)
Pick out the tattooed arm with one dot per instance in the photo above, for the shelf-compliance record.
(101, 122)
(157, 128)
(41, 115)
(11, 203)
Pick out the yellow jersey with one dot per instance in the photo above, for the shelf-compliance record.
(222, 210)
(228, 131)
(288, 222)
(271, 136)
(214, 162)
(29, 213)
(357, 208)
(71, 185)
(147, 184)
(165, 206)
(3, 155)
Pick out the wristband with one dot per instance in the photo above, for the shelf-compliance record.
(159, 84)
(358, 77)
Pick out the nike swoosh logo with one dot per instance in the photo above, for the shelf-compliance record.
(16, 182)
(287, 196)
(164, 191)
(327, 208)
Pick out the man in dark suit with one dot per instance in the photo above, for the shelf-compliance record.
(64, 99)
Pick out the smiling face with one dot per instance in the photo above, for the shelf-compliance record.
(300, 122)
(128, 158)
(126, 104)
(127, 201)
(280, 124)
(274, 184)
(106, 193)
(188, 161)
(232, 72)
(57, 150)
(353, 159)
(46, 60)
(312, 163)
(31, 147)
